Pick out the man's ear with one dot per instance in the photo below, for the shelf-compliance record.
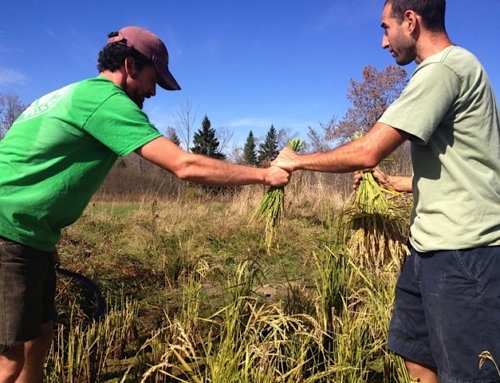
(129, 65)
(411, 20)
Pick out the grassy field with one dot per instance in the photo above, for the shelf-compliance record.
(194, 295)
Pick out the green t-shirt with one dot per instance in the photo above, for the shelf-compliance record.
(57, 154)
(451, 112)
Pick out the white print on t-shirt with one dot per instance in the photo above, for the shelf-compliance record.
(43, 104)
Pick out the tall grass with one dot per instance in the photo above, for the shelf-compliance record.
(183, 281)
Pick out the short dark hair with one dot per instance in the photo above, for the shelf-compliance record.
(431, 11)
(113, 55)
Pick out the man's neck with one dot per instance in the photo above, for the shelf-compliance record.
(118, 76)
(432, 44)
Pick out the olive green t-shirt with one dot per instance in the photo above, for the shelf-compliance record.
(57, 154)
(450, 110)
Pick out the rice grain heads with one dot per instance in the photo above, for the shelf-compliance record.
(377, 225)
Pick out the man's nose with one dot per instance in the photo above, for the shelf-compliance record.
(385, 42)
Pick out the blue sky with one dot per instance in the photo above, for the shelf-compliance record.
(245, 64)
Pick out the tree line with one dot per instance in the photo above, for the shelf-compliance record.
(206, 142)
(369, 97)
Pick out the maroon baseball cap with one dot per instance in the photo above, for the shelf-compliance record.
(150, 46)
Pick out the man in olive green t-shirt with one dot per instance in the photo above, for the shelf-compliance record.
(447, 303)
(55, 156)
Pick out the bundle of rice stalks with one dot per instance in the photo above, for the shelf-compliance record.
(377, 226)
(271, 208)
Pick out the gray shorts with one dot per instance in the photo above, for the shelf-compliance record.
(27, 292)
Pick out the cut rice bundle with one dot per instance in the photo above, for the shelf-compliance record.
(271, 207)
(377, 226)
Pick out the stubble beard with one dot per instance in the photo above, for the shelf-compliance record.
(132, 92)
(406, 52)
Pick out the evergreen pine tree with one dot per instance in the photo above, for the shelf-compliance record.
(205, 141)
(269, 148)
(249, 154)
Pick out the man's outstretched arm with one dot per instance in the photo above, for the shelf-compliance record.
(208, 171)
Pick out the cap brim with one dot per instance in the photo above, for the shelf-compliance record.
(167, 81)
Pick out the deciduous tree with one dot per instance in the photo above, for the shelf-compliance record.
(370, 98)
(10, 108)
(283, 136)
(184, 119)
(316, 141)
(224, 135)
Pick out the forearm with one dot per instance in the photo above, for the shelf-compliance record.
(205, 170)
(365, 152)
(344, 159)
(400, 183)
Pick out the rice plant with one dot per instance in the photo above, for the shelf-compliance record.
(246, 342)
(486, 355)
(332, 279)
(375, 296)
(377, 226)
(266, 346)
(82, 351)
(206, 322)
(271, 208)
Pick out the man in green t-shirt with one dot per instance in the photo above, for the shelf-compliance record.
(53, 159)
(447, 303)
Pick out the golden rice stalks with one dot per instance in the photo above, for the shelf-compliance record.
(377, 226)
(271, 207)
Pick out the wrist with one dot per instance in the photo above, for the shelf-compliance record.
(266, 176)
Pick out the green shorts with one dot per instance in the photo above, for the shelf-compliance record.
(27, 292)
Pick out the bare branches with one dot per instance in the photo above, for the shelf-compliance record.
(184, 119)
(225, 136)
(10, 108)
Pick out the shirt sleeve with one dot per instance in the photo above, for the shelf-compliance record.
(425, 101)
(119, 124)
